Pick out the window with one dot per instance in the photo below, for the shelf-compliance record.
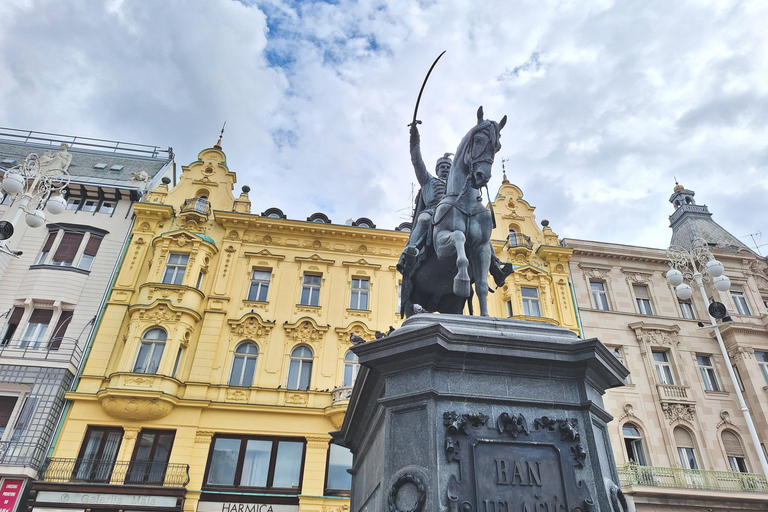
(46, 248)
(57, 336)
(73, 203)
(7, 406)
(259, 285)
(685, 448)
(107, 207)
(67, 249)
(351, 367)
(300, 368)
(310, 290)
(643, 299)
(599, 297)
(633, 442)
(89, 253)
(762, 361)
(177, 363)
(5, 198)
(508, 304)
(25, 418)
(98, 454)
(199, 282)
(734, 452)
(36, 327)
(338, 480)
(358, 298)
(150, 457)
(530, 301)
(10, 327)
(91, 205)
(175, 268)
(738, 377)
(244, 364)
(663, 368)
(150, 351)
(686, 309)
(256, 462)
(708, 373)
(741, 302)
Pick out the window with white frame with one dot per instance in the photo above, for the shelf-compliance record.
(257, 291)
(73, 203)
(107, 207)
(310, 290)
(5, 198)
(150, 351)
(531, 306)
(351, 367)
(71, 246)
(707, 371)
(90, 205)
(508, 306)
(358, 296)
(599, 296)
(177, 362)
(663, 368)
(300, 368)
(643, 298)
(37, 325)
(175, 268)
(9, 403)
(244, 364)
(10, 327)
(686, 309)
(734, 451)
(762, 361)
(685, 448)
(740, 301)
(738, 377)
(633, 442)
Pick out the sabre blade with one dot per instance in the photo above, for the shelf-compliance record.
(418, 100)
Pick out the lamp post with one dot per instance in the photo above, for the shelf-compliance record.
(39, 182)
(700, 265)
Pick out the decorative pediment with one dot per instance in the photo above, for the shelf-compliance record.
(314, 259)
(595, 271)
(679, 412)
(361, 263)
(182, 238)
(161, 311)
(264, 257)
(358, 329)
(725, 421)
(637, 276)
(250, 326)
(655, 334)
(305, 330)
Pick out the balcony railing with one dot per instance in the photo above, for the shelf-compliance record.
(97, 471)
(519, 240)
(632, 474)
(196, 205)
(57, 349)
(673, 393)
(29, 455)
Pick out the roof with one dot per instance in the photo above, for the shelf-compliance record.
(694, 221)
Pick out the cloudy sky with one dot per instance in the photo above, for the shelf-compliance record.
(607, 101)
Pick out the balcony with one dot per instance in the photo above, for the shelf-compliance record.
(519, 240)
(198, 208)
(96, 471)
(670, 393)
(654, 476)
(61, 350)
(29, 455)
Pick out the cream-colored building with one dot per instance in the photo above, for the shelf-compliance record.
(679, 437)
(51, 295)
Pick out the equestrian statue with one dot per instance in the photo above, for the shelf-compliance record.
(450, 246)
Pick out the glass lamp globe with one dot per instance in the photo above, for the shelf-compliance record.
(35, 219)
(715, 268)
(56, 204)
(674, 277)
(722, 283)
(13, 183)
(684, 291)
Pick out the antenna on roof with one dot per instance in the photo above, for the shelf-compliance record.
(218, 144)
(756, 246)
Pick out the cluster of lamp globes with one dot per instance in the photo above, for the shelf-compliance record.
(713, 267)
(14, 183)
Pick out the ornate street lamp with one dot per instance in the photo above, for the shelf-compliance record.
(698, 265)
(39, 182)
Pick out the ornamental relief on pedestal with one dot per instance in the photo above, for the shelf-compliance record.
(296, 398)
(239, 395)
(136, 409)
(674, 412)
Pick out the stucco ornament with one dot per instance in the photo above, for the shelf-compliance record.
(136, 409)
(674, 412)
(251, 327)
(140, 176)
(304, 332)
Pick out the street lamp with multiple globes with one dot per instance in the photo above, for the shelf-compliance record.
(699, 265)
(40, 182)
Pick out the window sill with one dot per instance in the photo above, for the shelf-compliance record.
(718, 394)
(307, 307)
(61, 267)
(249, 490)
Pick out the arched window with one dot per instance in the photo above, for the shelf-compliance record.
(351, 367)
(300, 369)
(150, 351)
(734, 451)
(633, 441)
(685, 448)
(244, 364)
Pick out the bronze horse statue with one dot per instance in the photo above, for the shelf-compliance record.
(460, 251)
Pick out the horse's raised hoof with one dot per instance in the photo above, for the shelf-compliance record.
(461, 287)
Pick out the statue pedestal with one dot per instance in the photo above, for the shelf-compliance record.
(475, 414)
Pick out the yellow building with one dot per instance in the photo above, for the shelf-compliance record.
(222, 359)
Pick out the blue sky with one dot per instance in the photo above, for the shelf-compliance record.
(607, 101)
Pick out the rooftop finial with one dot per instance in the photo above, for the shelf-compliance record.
(504, 180)
(218, 144)
(678, 187)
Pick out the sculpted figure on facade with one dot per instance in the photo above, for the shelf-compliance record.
(53, 164)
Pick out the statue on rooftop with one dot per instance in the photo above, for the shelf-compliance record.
(56, 163)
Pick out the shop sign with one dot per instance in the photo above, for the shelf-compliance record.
(9, 494)
(227, 506)
(94, 498)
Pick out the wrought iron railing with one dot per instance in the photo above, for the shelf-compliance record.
(29, 455)
(196, 205)
(56, 349)
(519, 240)
(98, 471)
(655, 476)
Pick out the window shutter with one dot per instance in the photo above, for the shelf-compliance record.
(683, 438)
(49, 242)
(41, 316)
(61, 328)
(68, 247)
(93, 245)
(732, 445)
(7, 403)
(641, 292)
(16, 315)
